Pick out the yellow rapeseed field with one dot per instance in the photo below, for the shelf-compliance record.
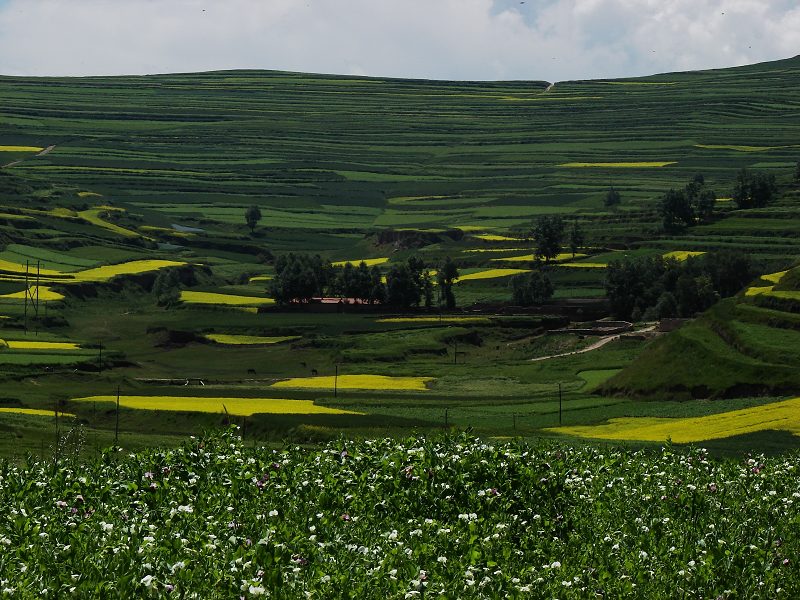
(681, 255)
(774, 277)
(12, 267)
(357, 382)
(491, 274)
(89, 195)
(133, 267)
(242, 407)
(442, 319)
(191, 297)
(45, 294)
(757, 290)
(619, 165)
(20, 149)
(782, 416)
(371, 262)
(92, 216)
(35, 411)
(26, 345)
(260, 278)
(245, 340)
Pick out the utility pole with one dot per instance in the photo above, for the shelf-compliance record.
(455, 351)
(116, 427)
(559, 403)
(445, 417)
(336, 382)
(100, 359)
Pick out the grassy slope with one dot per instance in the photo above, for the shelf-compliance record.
(742, 346)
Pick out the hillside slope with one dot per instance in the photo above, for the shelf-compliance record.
(743, 346)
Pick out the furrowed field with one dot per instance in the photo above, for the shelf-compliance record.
(446, 517)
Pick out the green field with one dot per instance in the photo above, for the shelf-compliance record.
(162, 168)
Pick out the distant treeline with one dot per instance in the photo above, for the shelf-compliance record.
(301, 277)
(654, 287)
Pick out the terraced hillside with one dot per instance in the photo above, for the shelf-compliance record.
(120, 188)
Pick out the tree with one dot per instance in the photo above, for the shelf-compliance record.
(676, 210)
(532, 288)
(299, 278)
(576, 237)
(252, 216)
(167, 288)
(754, 190)
(612, 197)
(401, 287)
(701, 200)
(446, 277)
(547, 233)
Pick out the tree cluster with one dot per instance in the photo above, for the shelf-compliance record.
(301, 277)
(754, 190)
(529, 289)
(655, 288)
(685, 207)
(167, 288)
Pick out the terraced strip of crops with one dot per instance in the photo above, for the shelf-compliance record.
(778, 416)
(248, 340)
(213, 298)
(233, 406)
(357, 382)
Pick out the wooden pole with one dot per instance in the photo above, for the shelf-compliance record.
(559, 403)
(116, 427)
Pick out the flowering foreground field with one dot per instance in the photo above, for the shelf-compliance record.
(449, 517)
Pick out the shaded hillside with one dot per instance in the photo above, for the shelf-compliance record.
(749, 345)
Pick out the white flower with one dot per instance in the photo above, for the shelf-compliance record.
(185, 508)
(147, 581)
(256, 590)
(555, 565)
(273, 513)
(106, 526)
(442, 559)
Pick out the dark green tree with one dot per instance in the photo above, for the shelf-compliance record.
(754, 190)
(547, 234)
(576, 237)
(402, 288)
(446, 277)
(167, 288)
(252, 216)
(676, 210)
(299, 278)
(612, 197)
(701, 199)
(532, 288)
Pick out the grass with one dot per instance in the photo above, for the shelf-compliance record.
(247, 340)
(233, 406)
(195, 297)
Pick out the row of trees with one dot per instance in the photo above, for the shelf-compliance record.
(301, 277)
(656, 288)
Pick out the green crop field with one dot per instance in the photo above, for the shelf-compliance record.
(150, 177)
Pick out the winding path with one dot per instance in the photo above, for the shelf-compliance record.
(43, 152)
(598, 344)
